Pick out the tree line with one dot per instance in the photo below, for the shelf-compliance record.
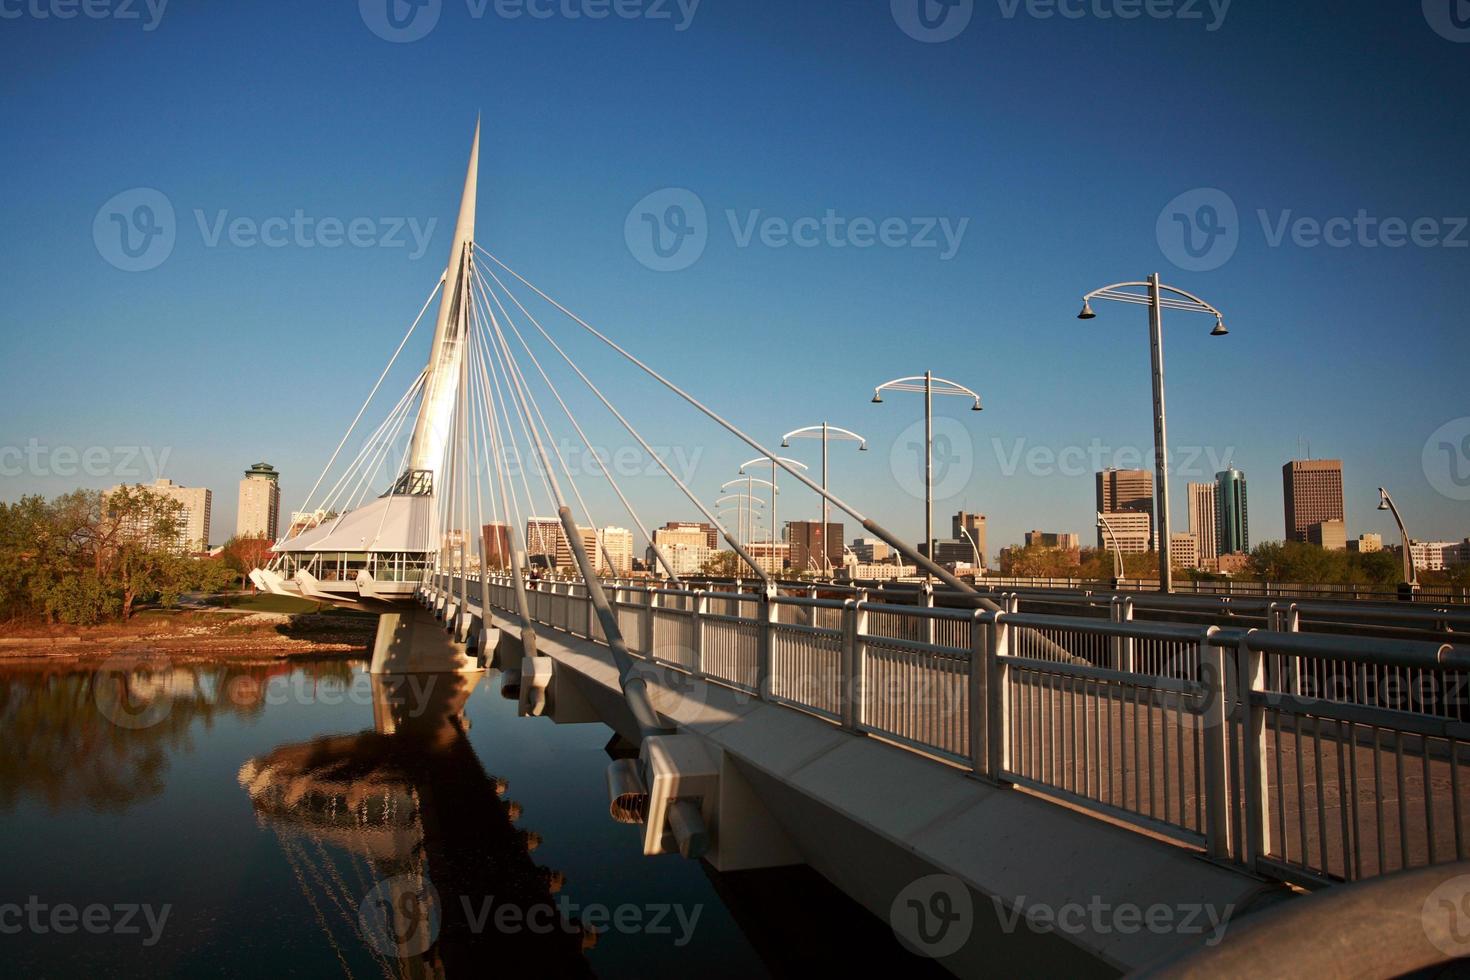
(87, 557)
(1270, 561)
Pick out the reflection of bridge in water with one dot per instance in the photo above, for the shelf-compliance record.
(1132, 760)
(424, 839)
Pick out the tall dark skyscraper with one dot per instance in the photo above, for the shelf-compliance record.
(1312, 492)
(1232, 525)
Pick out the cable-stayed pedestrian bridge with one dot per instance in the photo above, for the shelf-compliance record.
(1024, 758)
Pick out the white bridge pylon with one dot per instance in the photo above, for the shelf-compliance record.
(480, 445)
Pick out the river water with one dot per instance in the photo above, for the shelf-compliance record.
(306, 819)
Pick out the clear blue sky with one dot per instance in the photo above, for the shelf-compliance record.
(1059, 140)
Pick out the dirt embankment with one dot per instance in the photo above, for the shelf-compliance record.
(215, 632)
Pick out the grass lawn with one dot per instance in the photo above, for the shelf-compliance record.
(266, 602)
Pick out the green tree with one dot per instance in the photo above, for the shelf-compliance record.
(245, 553)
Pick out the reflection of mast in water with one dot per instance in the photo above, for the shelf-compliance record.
(431, 850)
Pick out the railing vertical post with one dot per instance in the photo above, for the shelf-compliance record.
(980, 706)
(1125, 645)
(847, 666)
(928, 603)
(855, 626)
(997, 733)
(767, 613)
(1215, 718)
(1256, 797)
(696, 615)
(648, 650)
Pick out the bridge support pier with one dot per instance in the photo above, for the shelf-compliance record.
(415, 642)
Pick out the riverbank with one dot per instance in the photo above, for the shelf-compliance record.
(225, 631)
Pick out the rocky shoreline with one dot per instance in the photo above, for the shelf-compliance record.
(216, 634)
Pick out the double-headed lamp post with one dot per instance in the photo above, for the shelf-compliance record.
(929, 386)
(1157, 302)
(826, 432)
(773, 460)
(1411, 577)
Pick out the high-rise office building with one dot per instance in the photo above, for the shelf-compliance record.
(1134, 532)
(1184, 550)
(1312, 490)
(871, 550)
(1202, 523)
(973, 525)
(685, 548)
(546, 539)
(193, 518)
(1062, 540)
(495, 539)
(1124, 491)
(259, 510)
(616, 553)
(808, 542)
(710, 532)
(1232, 526)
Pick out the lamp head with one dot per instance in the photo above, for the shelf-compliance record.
(1219, 330)
(976, 407)
(1382, 499)
(863, 446)
(1086, 313)
(785, 443)
(877, 398)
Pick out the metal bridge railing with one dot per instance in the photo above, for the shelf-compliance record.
(1305, 756)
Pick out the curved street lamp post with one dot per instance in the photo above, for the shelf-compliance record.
(1157, 302)
(929, 386)
(774, 460)
(825, 432)
(1411, 576)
